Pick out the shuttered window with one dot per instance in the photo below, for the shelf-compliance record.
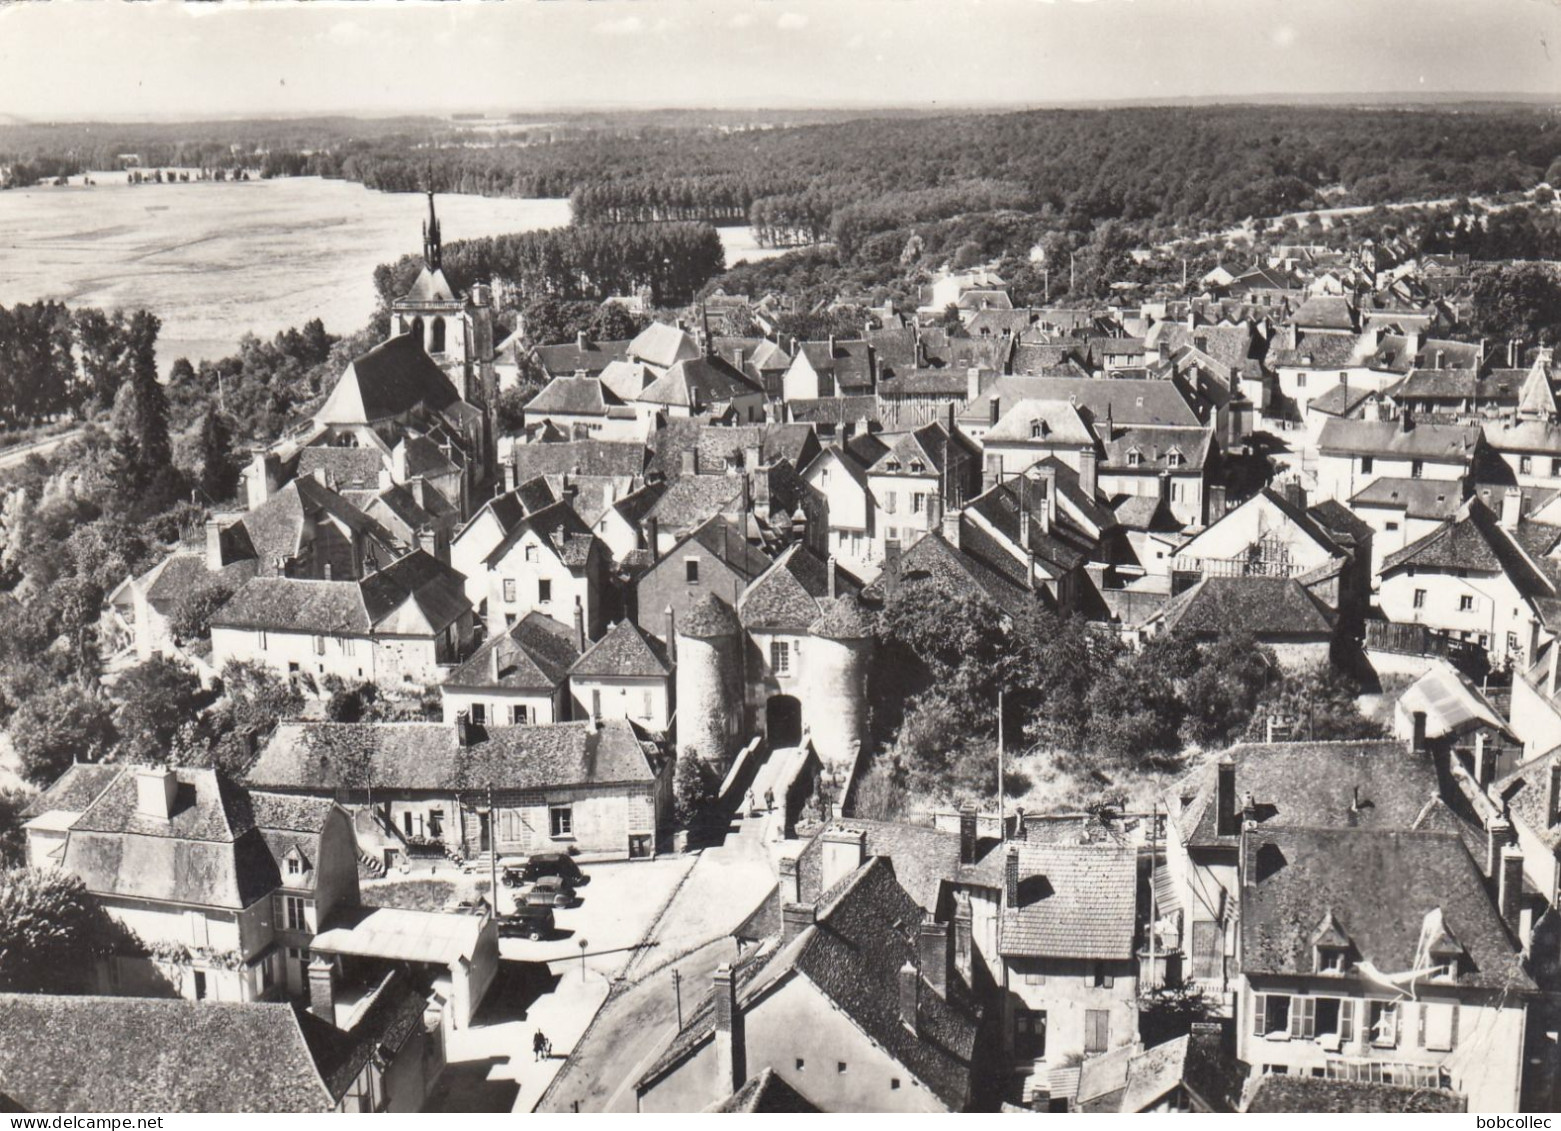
(1207, 961)
(1097, 1030)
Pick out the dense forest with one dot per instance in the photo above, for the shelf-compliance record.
(672, 261)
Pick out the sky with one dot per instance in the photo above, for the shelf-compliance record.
(77, 59)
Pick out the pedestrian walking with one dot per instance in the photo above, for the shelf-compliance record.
(769, 800)
(753, 804)
(547, 1049)
(538, 1044)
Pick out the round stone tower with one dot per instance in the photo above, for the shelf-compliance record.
(709, 680)
(835, 707)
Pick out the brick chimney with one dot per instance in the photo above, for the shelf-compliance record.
(157, 788)
(653, 537)
(672, 634)
(795, 918)
(932, 951)
(1226, 822)
(1498, 832)
(829, 568)
(968, 835)
(1417, 738)
(465, 729)
(731, 1053)
(1011, 877)
(844, 851)
(1511, 508)
(1089, 472)
(322, 987)
(910, 995)
(579, 627)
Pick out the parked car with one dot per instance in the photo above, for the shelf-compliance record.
(551, 891)
(559, 864)
(512, 871)
(529, 921)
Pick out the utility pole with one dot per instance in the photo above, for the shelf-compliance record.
(493, 849)
(1002, 819)
(677, 990)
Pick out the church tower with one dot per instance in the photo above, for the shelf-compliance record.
(433, 249)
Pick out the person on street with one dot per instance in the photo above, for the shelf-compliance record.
(538, 1045)
(769, 800)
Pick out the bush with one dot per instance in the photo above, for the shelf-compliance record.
(52, 933)
(63, 724)
(696, 786)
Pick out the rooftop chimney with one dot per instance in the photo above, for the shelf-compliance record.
(795, 918)
(579, 627)
(830, 569)
(950, 527)
(967, 833)
(910, 995)
(156, 789)
(1011, 877)
(1497, 833)
(844, 851)
(1553, 795)
(465, 730)
(995, 408)
(652, 537)
(972, 383)
(964, 937)
(672, 633)
(1509, 889)
(322, 987)
(582, 340)
(690, 458)
(1417, 739)
(932, 951)
(1511, 508)
(1225, 822)
(1089, 472)
(731, 1054)
(213, 545)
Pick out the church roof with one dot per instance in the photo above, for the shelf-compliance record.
(391, 379)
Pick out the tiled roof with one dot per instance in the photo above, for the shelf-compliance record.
(766, 1093)
(142, 1054)
(834, 410)
(1262, 607)
(932, 561)
(1388, 439)
(1307, 1095)
(569, 358)
(573, 396)
(1319, 784)
(849, 362)
(391, 379)
(1380, 885)
(789, 595)
(925, 859)
(1524, 790)
(625, 650)
(662, 345)
(691, 500)
(1340, 400)
(276, 528)
(209, 853)
(533, 654)
(1155, 447)
(699, 383)
(721, 538)
(1037, 359)
(583, 457)
(1130, 402)
(1473, 540)
(1419, 498)
(402, 597)
(1539, 436)
(852, 956)
(709, 616)
(346, 468)
(1075, 901)
(1313, 351)
(844, 618)
(715, 444)
(322, 758)
(1058, 422)
(1325, 312)
(74, 790)
(560, 529)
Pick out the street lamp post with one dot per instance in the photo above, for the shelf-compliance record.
(583, 945)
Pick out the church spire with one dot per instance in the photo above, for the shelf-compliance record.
(432, 251)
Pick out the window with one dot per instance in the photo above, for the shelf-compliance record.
(1303, 1018)
(1333, 1022)
(509, 589)
(596, 702)
(1270, 1014)
(1417, 469)
(894, 1083)
(561, 820)
(1466, 603)
(1134, 458)
(1526, 465)
(200, 985)
(1208, 961)
(647, 706)
(1512, 641)
(1097, 1030)
(918, 502)
(691, 570)
(509, 620)
(1438, 1029)
(1392, 526)
(1035, 979)
(293, 912)
(319, 645)
(479, 714)
(544, 591)
(1174, 459)
(889, 502)
(517, 715)
(531, 554)
(1102, 980)
(1037, 429)
(780, 657)
(1555, 468)
(294, 865)
(840, 1067)
(1367, 463)
(801, 1064)
(1300, 380)
(436, 823)
(1419, 598)
(1382, 1020)
(1029, 1033)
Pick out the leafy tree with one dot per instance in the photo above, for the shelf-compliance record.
(612, 322)
(52, 933)
(60, 725)
(156, 698)
(13, 841)
(695, 787)
(1168, 1012)
(219, 470)
(511, 408)
(1518, 301)
(140, 420)
(1319, 703)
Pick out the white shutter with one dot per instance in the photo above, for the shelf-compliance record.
(1439, 1026)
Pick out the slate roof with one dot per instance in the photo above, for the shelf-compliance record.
(1418, 498)
(766, 1093)
(849, 361)
(1198, 1062)
(569, 358)
(1539, 436)
(852, 956)
(699, 384)
(1075, 901)
(277, 526)
(321, 758)
(534, 654)
(141, 1054)
(1379, 885)
(1312, 1096)
(1524, 791)
(1387, 439)
(1325, 312)
(1340, 400)
(416, 595)
(346, 468)
(573, 396)
(928, 445)
(790, 595)
(1474, 540)
(581, 457)
(835, 410)
(625, 650)
(1373, 784)
(1155, 447)
(1263, 607)
(924, 858)
(707, 617)
(391, 379)
(1059, 422)
(932, 560)
(209, 853)
(1131, 402)
(561, 530)
(662, 345)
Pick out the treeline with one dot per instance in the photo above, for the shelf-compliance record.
(671, 260)
(55, 361)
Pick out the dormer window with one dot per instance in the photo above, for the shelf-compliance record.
(1037, 429)
(1134, 457)
(917, 467)
(1174, 459)
(892, 465)
(1332, 960)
